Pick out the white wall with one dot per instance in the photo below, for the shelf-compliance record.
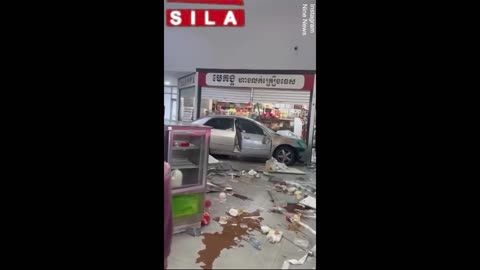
(272, 29)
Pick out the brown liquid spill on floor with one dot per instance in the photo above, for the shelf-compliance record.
(218, 241)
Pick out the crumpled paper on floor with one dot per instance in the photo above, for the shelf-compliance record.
(286, 263)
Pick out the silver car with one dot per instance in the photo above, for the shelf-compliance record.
(245, 137)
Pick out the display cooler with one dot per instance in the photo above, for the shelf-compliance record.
(186, 150)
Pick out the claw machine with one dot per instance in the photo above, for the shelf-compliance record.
(187, 150)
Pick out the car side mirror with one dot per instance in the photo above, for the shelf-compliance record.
(265, 139)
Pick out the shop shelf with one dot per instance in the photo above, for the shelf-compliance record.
(190, 147)
(183, 164)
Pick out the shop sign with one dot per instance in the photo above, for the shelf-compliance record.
(206, 17)
(187, 81)
(275, 81)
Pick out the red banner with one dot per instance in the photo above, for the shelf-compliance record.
(209, 2)
(205, 17)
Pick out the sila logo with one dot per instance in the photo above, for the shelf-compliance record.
(206, 17)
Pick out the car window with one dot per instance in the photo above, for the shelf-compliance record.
(220, 123)
(249, 127)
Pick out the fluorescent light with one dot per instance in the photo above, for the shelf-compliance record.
(167, 83)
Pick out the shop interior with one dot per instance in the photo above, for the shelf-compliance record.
(276, 116)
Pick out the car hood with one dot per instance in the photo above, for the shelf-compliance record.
(288, 134)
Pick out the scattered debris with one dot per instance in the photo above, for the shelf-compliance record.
(310, 202)
(291, 189)
(212, 160)
(223, 220)
(298, 195)
(286, 264)
(272, 165)
(206, 219)
(222, 196)
(288, 171)
(265, 229)
(305, 212)
(241, 196)
(243, 225)
(292, 207)
(296, 218)
(252, 172)
(254, 242)
(233, 212)
(274, 236)
(279, 210)
(297, 221)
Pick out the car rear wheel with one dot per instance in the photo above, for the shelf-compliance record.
(285, 154)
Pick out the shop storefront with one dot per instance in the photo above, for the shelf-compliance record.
(281, 100)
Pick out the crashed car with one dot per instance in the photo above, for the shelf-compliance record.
(245, 137)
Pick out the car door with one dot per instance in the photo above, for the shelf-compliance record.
(254, 141)
(222, 136)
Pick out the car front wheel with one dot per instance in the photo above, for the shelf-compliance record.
(285, 154)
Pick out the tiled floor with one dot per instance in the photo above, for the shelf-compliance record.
(185, 247)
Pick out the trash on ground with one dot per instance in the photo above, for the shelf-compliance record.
(292, 207)
(272, 165)
(254, 217)
(243, 225)
(307, 227)
(222, 196)
(298, 195)
(310, 202)
(223, 220)
(291, 189)
(206, 219)
(265, 229)
(301, 242)
(212, 160)
(274, 236)
(287, 171)
(279, 210)
(233, 212)
(305, 212)
(296, 217)
(252, 172)
(241, 196)
(286, 263)
(254, 242)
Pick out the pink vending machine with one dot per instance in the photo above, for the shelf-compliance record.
(187, 150)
